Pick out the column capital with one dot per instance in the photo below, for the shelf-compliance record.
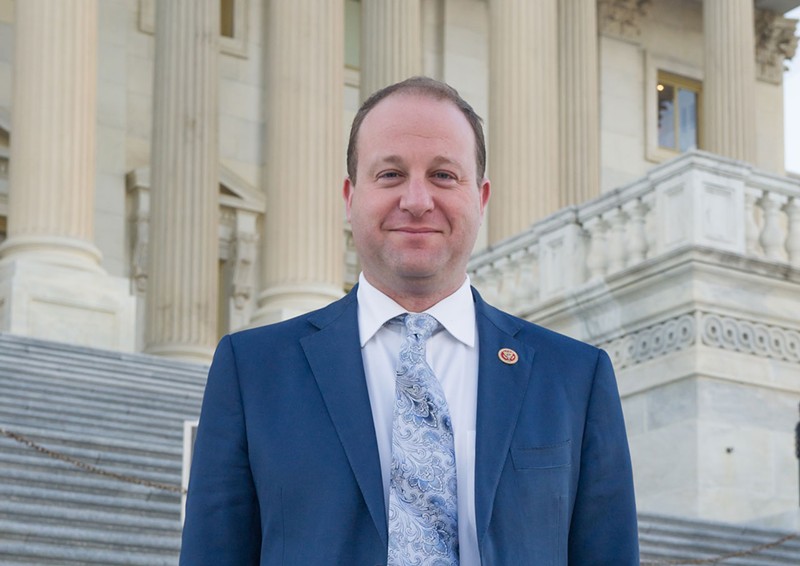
(776, 42)
(621, 17)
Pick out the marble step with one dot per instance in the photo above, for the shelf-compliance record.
(670, 538)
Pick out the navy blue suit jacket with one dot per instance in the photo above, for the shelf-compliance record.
(286, 467)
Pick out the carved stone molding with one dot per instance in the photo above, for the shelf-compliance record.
(138, 187)
(241, 206)
(776, 42)
(244, 256)
(713, 330)
(621, 17)
(652, 342)
(749, 337)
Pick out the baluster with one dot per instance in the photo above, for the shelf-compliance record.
(507, 273)
(533, 271)
(636, 242)
(650, 220)
(772, 237)
(478, 280)
(492, 285)
(792, 209)
(596, 258)
(751, 230)
(521, 291)
(616, 245)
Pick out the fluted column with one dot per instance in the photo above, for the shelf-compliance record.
(391, 39)
(184, 217)
(52, 176)
(52, 285)
(729, 85)
(302, 250)
(523, 114)
(579, 102)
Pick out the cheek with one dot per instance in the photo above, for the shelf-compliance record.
(364, 218)
(373, 210)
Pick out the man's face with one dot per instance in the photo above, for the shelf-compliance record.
(416, 205)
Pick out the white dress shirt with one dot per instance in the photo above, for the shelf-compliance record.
(453, 355)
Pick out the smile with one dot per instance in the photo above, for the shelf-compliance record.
(416, 230)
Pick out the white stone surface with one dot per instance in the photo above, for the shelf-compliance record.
(64, 304)
(769, 127)
(622, 113)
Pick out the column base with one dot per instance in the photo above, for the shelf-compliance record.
(53, 250)
(285, 302)
(76, 304)
(183, 352)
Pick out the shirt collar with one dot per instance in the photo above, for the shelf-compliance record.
(456, 312)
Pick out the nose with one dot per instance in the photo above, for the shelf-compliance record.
(416, 198)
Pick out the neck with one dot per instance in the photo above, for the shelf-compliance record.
(416, 297)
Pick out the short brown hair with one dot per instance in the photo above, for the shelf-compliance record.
(424, 86)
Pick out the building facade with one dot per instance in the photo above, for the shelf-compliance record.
(171, 171)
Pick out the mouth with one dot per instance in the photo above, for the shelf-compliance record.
(415, 230)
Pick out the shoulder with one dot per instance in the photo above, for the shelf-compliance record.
(541, 339)
(294, 329)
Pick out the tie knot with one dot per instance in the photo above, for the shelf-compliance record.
(421, 325)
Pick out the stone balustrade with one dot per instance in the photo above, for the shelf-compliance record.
(696, 200)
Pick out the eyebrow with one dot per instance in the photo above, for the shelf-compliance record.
(397, 160)
(442, 160)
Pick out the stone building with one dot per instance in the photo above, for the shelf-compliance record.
(171, 171)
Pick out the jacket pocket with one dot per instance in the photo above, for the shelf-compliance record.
(542, 457)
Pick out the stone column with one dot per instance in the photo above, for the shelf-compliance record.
(729, 120)
(523, 114)
(184, 213)
(52, 176)
(302, 248)
(51, 282)
(579, 102)
(391, 39)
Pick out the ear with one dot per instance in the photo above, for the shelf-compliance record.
(347, 193)
(485, 191)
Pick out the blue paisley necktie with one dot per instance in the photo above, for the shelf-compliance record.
(423, 521)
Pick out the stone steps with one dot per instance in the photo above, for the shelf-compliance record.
(124, 414)
(119, 413)
(671, 539)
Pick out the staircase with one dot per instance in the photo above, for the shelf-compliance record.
(671, 540)
(119, 415)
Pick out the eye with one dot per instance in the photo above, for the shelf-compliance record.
(388, 175)
(444, 176)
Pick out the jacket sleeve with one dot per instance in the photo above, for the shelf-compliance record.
(603, 528)
(222, 525)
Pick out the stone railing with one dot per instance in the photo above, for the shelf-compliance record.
(696, 200)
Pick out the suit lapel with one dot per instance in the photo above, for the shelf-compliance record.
(334, 354)
(501, 390)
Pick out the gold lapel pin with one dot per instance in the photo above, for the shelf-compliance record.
(508, 356)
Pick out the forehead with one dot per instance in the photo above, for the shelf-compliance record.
(404, 117)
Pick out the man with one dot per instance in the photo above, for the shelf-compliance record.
(316, 446)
